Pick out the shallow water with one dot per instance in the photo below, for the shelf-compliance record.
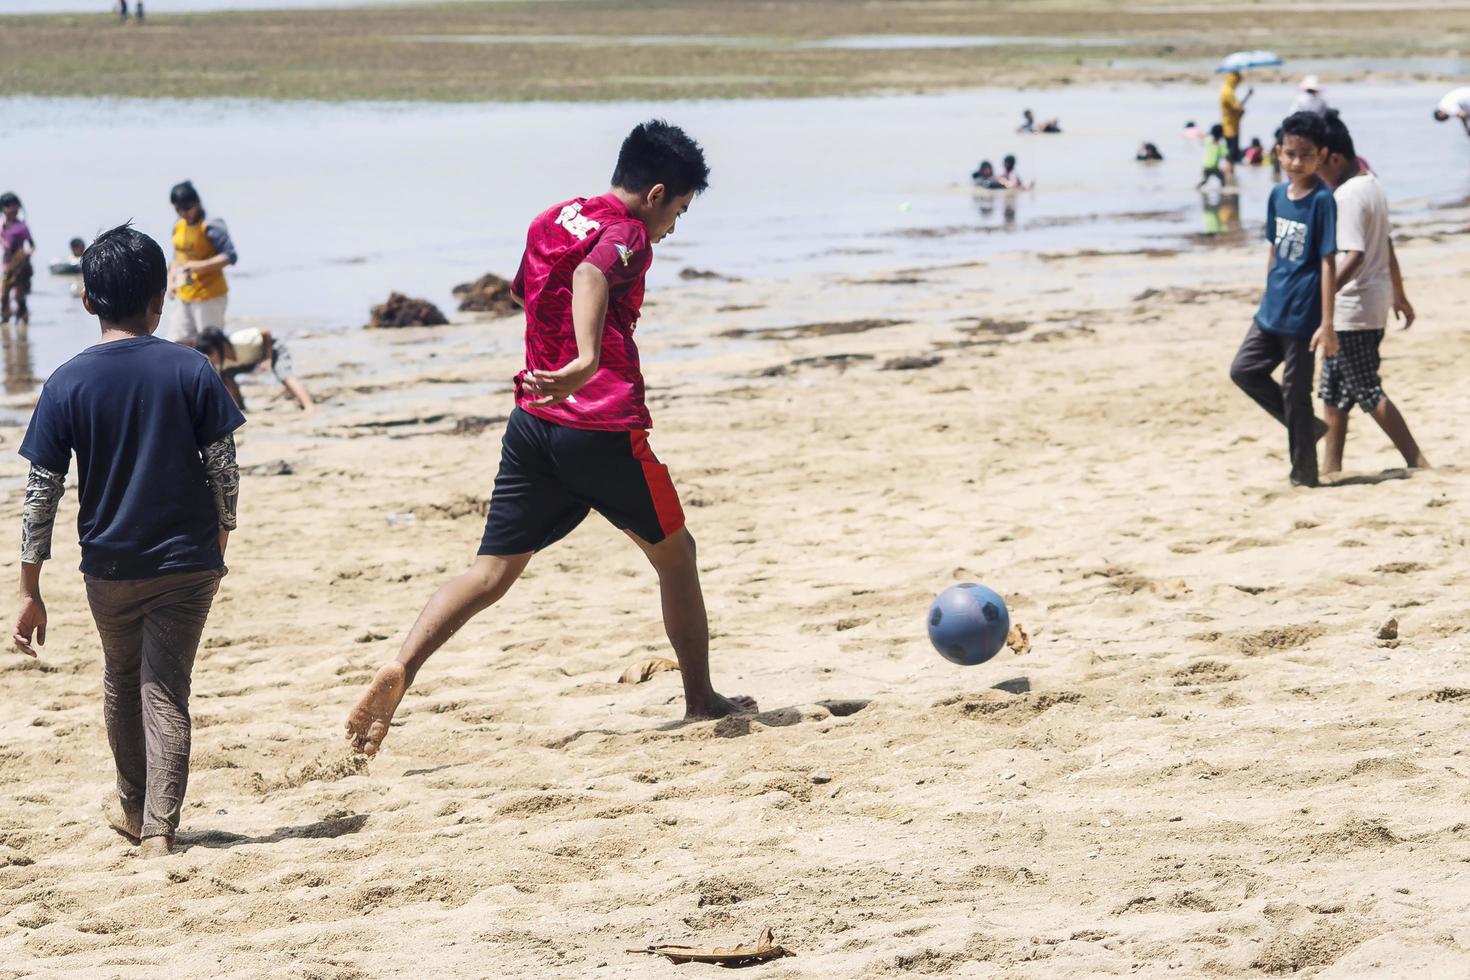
(156, 7)
(331, 206)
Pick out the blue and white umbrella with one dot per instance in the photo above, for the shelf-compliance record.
(1241, 60)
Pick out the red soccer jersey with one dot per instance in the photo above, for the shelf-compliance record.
(598, 230)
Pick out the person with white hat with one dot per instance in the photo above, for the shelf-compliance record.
(1456, 105)
(1309, 99)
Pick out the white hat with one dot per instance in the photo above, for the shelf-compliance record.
(1311, 84)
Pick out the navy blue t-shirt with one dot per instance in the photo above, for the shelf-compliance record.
(1302, 232)
(137, 412)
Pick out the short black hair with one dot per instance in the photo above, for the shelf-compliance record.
(658, 153)
(1308, 125)
(122, 271)
(211, 340)
(1217, 131)
(1009, 161)
(7, 199)
(76, 243)
(183, 195)
(1339, 140)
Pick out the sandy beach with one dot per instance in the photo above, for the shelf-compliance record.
(1208, 764)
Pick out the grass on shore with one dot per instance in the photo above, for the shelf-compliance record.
(726, 48)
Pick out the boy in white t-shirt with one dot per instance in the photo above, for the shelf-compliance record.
(247, 350)
(1455, 105)
(1369, 285)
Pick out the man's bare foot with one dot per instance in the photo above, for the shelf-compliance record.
(719, 706)
(367, 722)
(158, 846)
(1421, 463)
(130, 825)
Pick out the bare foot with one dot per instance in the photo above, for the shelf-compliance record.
(130, 825)
(367, 722)
(719, 706)
(160, 846)
(1422, 463)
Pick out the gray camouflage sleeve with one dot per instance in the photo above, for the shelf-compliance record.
(224, 479)
(38, 516)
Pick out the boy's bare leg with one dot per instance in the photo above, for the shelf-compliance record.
(1336, 436)
(687, 625)
(299, 392)
(456, 603)
(1388, 418)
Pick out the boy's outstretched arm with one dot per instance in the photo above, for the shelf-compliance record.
(38, 518)
(1325, 338)
(589, 310)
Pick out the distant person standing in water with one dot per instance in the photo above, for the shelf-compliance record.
(16, 246)
(1010, 178)
(122, 11)
(1028, 122)
(1214, 157)
(1456, 105)
(1309, 99)
(138, 12)
(202, 249)
(1232, 107)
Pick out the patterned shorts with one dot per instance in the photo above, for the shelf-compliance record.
(1350, 377)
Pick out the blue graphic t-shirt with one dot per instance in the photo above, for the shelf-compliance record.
(136, 413)
(1302, 232)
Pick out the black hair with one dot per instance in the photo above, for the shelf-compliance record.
(1339, 140)
(183, 195)
(122, 271)
(1308, 125)
(1189, 124)
(1009, 162)
(1255, 141)
(211, 340)
(76, 242)
(7, 199)
(657, 153)
(1217, 131)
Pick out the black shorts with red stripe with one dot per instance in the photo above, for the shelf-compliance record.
(551, 476)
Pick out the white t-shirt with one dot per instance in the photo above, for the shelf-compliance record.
(249, 347)
(1362, 226)
(1456, 102)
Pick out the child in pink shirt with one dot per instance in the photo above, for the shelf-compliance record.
(577, 440)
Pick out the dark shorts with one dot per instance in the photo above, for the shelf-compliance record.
(1350, 377)
(551, 476)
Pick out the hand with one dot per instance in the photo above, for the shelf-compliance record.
(1325, 339)
(32, 619)
(1403, 310)
(557, 386)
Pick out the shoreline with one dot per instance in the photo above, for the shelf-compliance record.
(697, 49)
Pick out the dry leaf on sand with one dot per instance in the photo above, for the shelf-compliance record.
(1018, 639)
(638, 673)
(760, 951)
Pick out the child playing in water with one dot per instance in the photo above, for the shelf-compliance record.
(247, 350)
(152, 429)
(1295, 317)
(1010, 178)
(1214, 157)
(16, 246)
(578, 437)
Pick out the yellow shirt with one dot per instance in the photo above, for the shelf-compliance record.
(192, 244)
(1231, 108)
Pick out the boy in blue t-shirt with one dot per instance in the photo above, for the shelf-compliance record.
(1295, 315)
(152, 429)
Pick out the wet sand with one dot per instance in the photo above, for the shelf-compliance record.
(1208, 763)
(591, 50)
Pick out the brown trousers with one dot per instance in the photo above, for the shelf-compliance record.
(150, 630)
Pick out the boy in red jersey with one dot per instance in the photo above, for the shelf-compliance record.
(578, 438)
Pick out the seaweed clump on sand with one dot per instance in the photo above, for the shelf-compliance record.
(405, 311)
(487, 294)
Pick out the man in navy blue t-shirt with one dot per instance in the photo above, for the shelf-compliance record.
(151, 426)
(1295, 315)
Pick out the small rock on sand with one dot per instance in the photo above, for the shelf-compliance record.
(821, 776)
(1389, 630)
